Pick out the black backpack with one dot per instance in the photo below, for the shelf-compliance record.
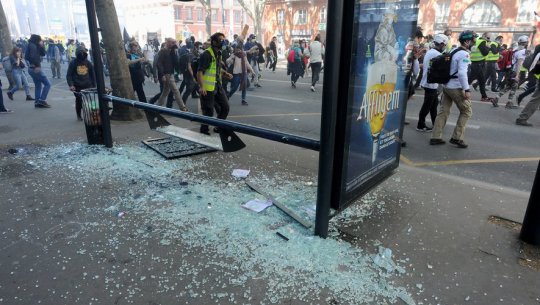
(439, 68)
(183, 63)
(527, 62)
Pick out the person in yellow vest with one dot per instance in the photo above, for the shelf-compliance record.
(478, 63)
(209, 77)
(449, 46)
(491, 62)
(70, 50)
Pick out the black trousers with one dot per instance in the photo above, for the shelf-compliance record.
(491, 74)
(189, 85)
(138, 87)
(477, 72)
(315, 72)
(218, 100)
(78, 101)
(431, 101)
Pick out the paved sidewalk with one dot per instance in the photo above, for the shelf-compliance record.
(184, 238)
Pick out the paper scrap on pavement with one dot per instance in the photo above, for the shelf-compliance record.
(257, 205)
(241, 173)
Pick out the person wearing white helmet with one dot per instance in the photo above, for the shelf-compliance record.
(456, 91)
(431, 97)
(512, 78)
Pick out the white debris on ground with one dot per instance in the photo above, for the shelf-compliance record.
(202, 212)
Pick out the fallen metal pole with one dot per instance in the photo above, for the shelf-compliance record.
(530, 231)
(234, 126)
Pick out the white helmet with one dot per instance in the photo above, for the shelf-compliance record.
(523, 39)
(440, 39)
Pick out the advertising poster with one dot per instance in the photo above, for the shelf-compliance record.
(377, 92)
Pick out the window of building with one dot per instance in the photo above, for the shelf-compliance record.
(214, 15)
(281, 17)
(177, 13)
(225, 15)
(324, 13)
(300, 17)
(526, 10)
(481, 14)
(237, 16)
(200, 14)
(189, 13)
(442, 11)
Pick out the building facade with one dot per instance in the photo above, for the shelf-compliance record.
(510, 19)
(291, 20)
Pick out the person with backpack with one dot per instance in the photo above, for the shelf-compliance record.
(80, 76)
(491, 62)
(188, 74)
(431, 95)
(478, 58)
(166, 64)
(503, 63)
(17, 64)
(34, 52)
(513, 75)
(456, 91)
(295, 65)
(158, 75)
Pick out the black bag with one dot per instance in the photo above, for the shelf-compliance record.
(527, 62)
(183, 63)
(439, 68)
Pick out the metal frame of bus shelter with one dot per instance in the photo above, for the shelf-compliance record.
(334, 104)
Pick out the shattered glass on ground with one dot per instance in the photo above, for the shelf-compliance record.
(208, 248)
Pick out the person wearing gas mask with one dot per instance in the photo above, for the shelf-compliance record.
(80, 75)
(209, 77)
(456, 91)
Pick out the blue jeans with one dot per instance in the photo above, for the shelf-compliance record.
(20, 80)
(235, 83)
(40, 80)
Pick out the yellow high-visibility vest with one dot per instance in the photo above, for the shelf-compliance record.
(491, 56)
(476, 55)
(210, 75)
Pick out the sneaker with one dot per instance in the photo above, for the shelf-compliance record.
(8, 111)
(424, 129)
(258, 86)
(459, 143)
(312, 89)
(42, 104)
(29, 98)
(523, 123)
(436, 141)
(206, 132)
(10, 95)
(494, 90)
(495, 101)
(475, 86)
(244, 103)
(293, 85)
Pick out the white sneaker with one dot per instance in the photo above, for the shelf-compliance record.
(312, 89)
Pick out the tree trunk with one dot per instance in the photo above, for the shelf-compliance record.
(5, 38)
(209, 22)
(116, 56)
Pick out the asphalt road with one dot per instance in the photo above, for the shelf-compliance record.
(499, 152)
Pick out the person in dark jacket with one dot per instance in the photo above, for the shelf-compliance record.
(136, 61)
(80, 76)
(34, 52)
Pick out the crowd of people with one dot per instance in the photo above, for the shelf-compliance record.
(474, 61)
